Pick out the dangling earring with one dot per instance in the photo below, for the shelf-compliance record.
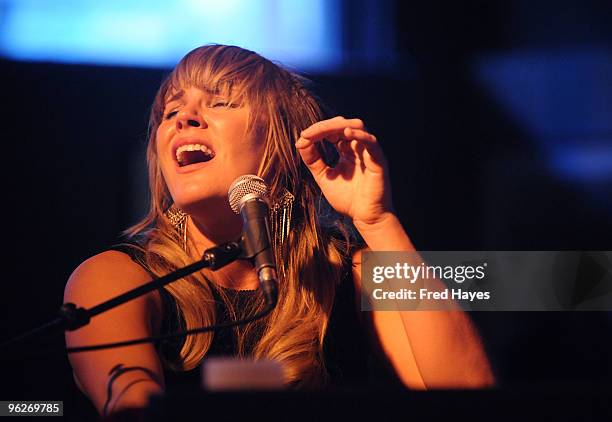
(280, 224)
(178, 220)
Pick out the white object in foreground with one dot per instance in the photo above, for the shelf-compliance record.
(222, 374)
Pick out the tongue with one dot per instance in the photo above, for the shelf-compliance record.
(193, 157)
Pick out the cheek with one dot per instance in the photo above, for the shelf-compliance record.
(243, 147)
(158, 136)
(160, 133)
(161, 142)
(252, 152)
(163, 162)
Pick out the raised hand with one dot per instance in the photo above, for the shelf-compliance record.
(358, 185)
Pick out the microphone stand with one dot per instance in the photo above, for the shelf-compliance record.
(71, 317)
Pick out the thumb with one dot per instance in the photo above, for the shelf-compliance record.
(311, 156)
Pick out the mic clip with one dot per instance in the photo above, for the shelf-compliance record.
(221, 255)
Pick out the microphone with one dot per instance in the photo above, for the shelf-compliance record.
(248, 197)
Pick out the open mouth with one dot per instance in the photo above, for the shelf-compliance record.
(193, 154)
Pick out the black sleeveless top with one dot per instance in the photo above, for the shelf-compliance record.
(349, 356)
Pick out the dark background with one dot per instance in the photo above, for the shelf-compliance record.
(467, 172)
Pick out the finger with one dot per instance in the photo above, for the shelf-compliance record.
(347, 155)
(311, 156)
(359, 134)
(344, 147)
(330, 127)
(375, 164)
(369, 141)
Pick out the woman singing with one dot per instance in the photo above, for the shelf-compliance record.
(225, 112)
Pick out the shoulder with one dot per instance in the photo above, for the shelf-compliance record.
(97, 280)
(104, 276)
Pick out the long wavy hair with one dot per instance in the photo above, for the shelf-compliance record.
(317, 249)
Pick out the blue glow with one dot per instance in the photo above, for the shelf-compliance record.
(299, 33)
(591, 164)
(562, 99)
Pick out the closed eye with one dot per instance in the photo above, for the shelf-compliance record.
(170, 114)
(224, 103)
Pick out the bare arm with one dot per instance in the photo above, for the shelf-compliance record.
(428, 349)
(130, 374)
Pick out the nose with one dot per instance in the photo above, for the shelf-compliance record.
(187, 118)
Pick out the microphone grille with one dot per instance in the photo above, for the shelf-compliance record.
(247, 185)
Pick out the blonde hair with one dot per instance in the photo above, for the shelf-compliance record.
(315, 254)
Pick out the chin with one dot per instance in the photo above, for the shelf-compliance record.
(210, 203)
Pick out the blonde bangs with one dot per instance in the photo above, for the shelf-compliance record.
(236, 76)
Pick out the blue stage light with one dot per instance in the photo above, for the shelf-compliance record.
(299, 33)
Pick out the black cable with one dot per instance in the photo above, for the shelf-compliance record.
(155, 339)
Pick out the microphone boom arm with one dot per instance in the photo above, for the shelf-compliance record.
(72, 317)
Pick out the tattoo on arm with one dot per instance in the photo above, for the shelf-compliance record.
(119, 370)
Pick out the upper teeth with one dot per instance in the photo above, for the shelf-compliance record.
(193, 147)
